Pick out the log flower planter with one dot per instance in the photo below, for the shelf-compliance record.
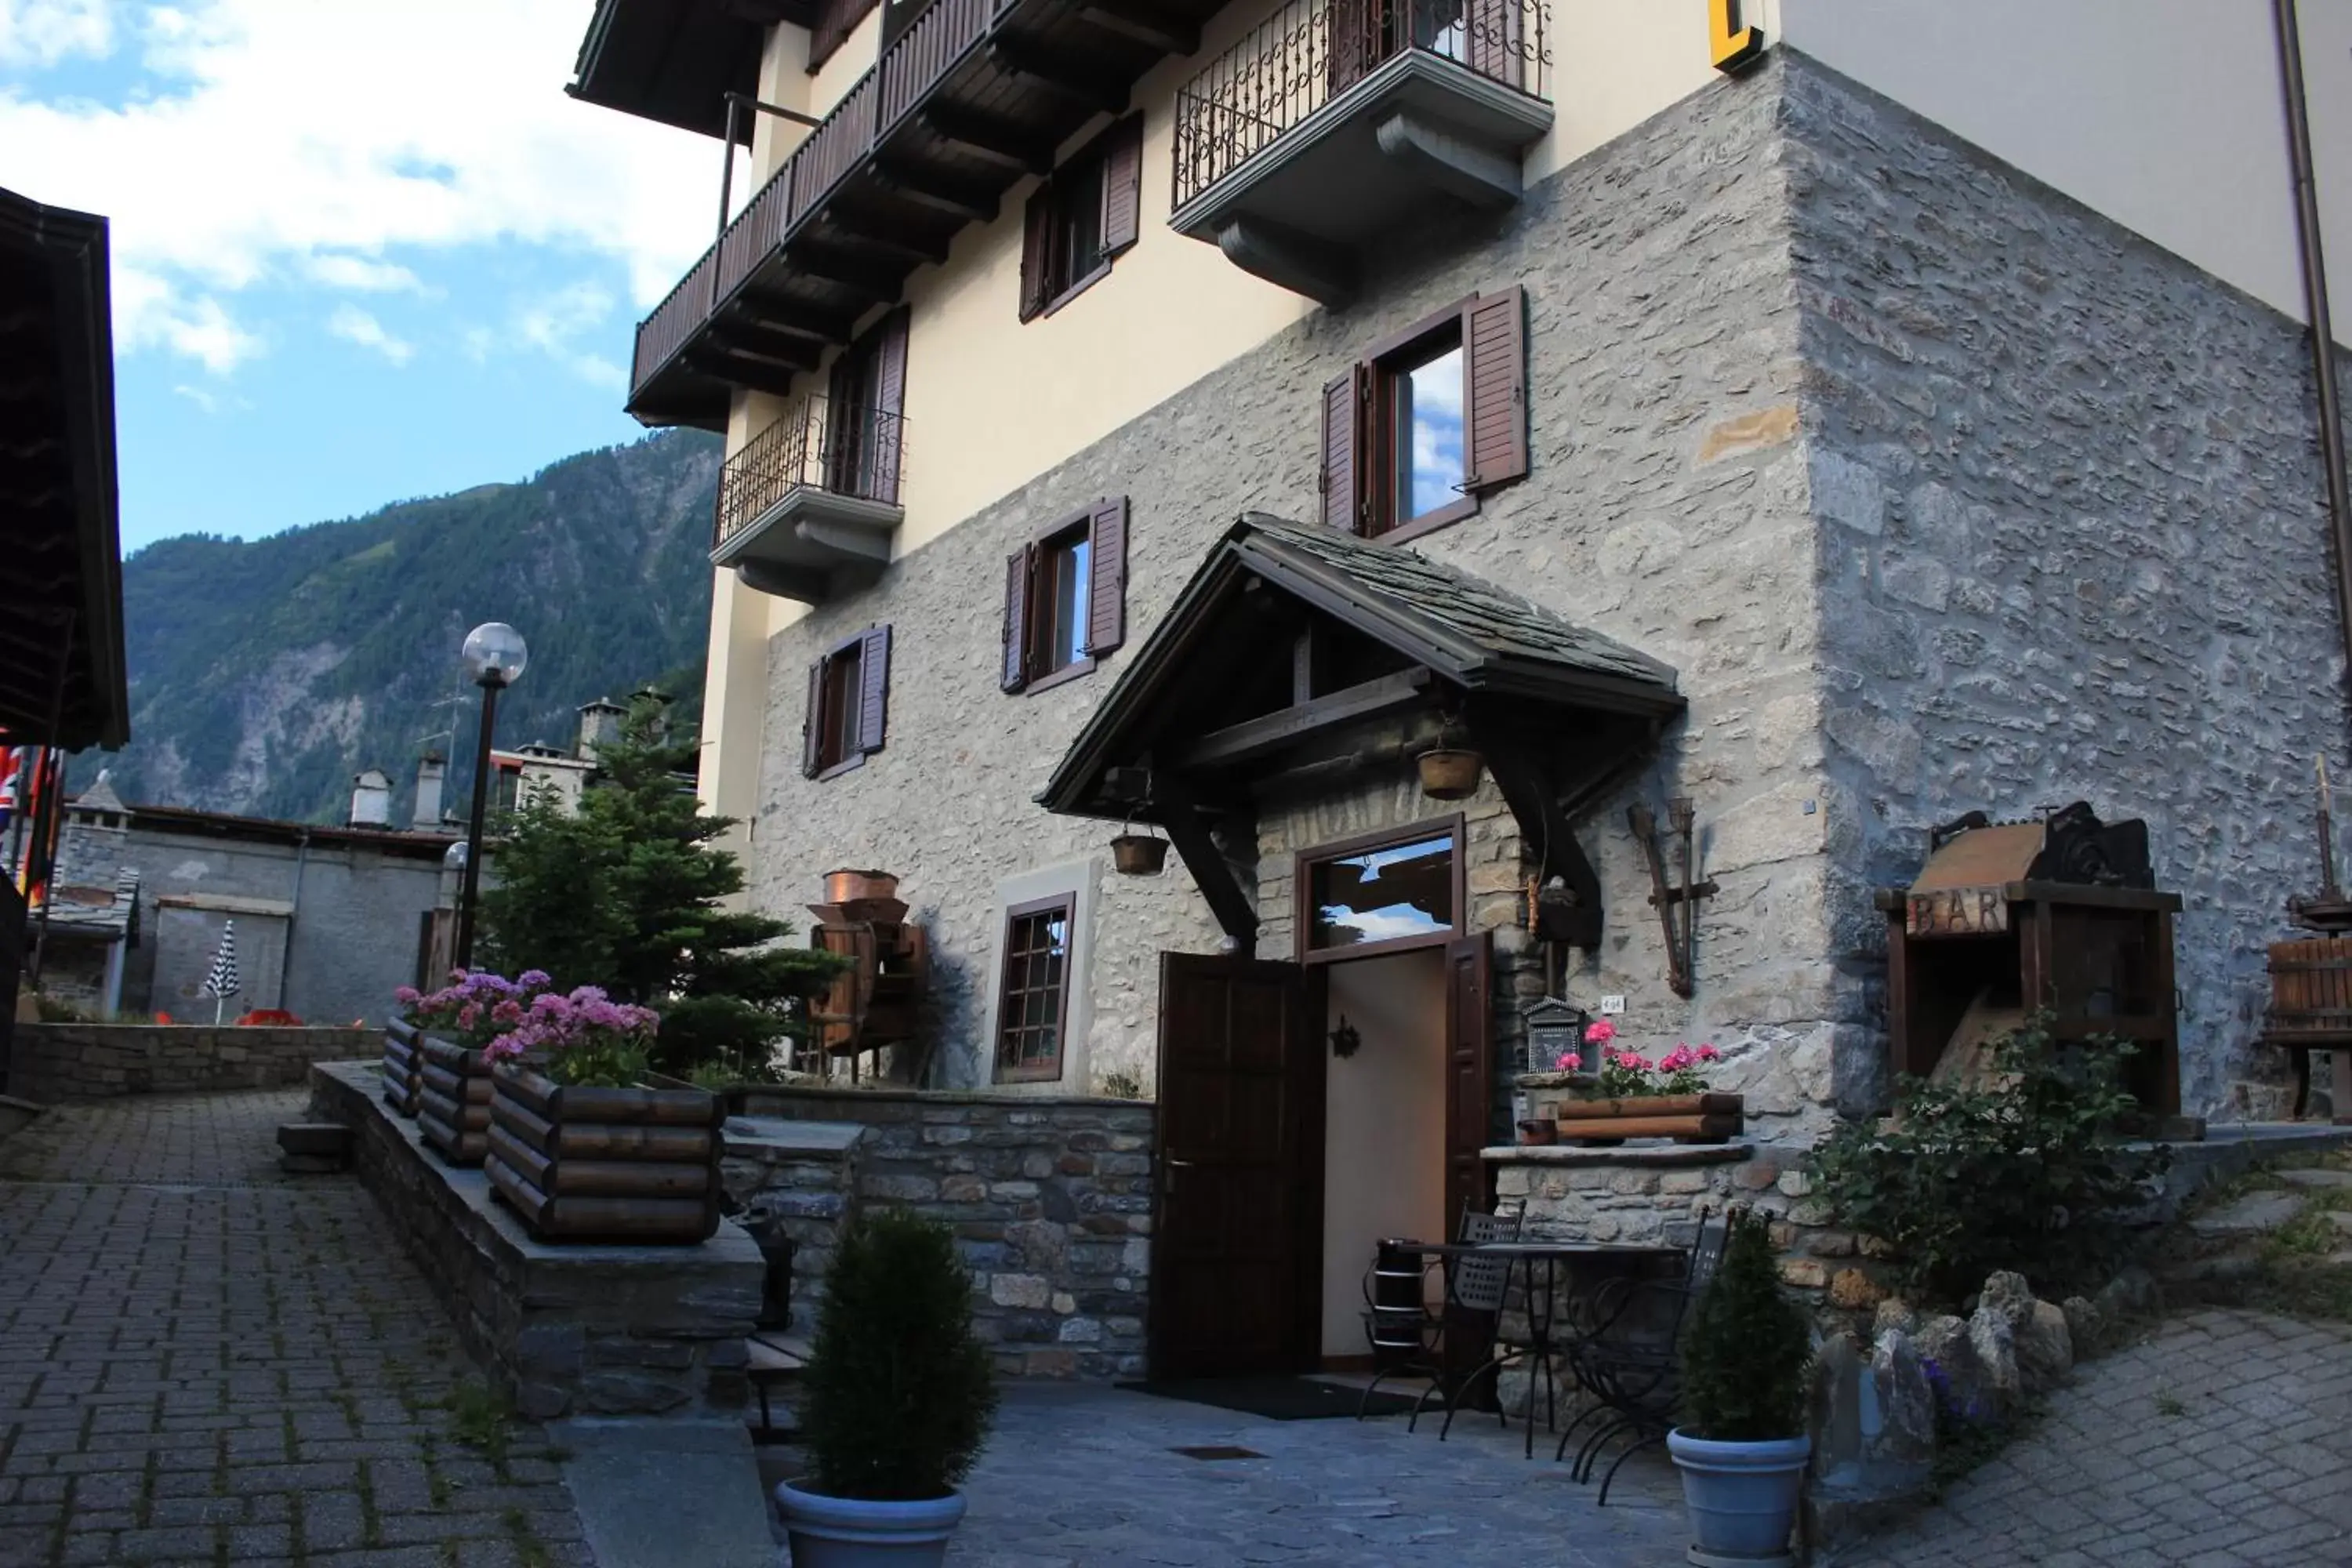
(1685, 1118)
(605, 1164)
(403, 1066)
(453, 1108)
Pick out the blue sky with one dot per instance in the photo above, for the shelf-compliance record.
(364, 249)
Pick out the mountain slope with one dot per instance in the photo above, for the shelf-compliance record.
(265, 673)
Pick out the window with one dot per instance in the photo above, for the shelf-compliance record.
(1434, 419)
(1083, 214)
(1066, 597)
(1382, 893)
(848, 705)
(1033, 999)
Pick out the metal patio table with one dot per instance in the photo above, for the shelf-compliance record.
(1543, 1306)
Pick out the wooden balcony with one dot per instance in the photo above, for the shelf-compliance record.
(807, 507)
(1336, 121)
(973, 96)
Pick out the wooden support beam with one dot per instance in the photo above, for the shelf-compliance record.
(1288, 727)
(1235, 912)
(872, 232)
(778, 313)
(758, 373)
(928, 191)
(1527, 788)
(1072, 78)
(1307, 659)
(845, 273)
(1146, 24)
(1000, 142)
(753, 339)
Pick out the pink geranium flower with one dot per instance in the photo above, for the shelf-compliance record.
(1599, 1032)
(1568, 1061)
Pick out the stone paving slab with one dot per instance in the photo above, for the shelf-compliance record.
(2224, 1440)
(1086, 1478)
(203, 1361)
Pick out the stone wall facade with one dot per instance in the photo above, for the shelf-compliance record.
(567, 1331)
(2071, 544)
(1050, 1201)
(100, 1061)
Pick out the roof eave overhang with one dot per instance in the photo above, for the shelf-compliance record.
(73, 245)
(673, 61)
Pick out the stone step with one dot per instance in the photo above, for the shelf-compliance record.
(315, 1138)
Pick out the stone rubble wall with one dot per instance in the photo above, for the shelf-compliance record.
(570, 1329)
(63, 1062)
(1050, 1201)
(2072, 544)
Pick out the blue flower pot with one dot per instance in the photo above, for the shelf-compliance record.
(1741, 1498)
(851, 1532)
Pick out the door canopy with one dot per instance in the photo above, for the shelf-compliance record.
(1299, 660)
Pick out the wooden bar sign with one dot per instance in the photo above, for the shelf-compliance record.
(1956, 911)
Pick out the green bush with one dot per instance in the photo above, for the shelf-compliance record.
(1747, 1351)
(2031, 1174)
(899, 1394)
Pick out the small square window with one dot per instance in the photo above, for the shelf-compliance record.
(1066, 597)
(848, 692)
(1033, 1001)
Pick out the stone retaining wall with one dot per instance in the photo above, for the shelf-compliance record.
(1050, 1201)
(567, 1329)
(55, 1062)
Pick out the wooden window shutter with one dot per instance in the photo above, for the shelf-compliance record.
(1106, 585)
(889, 380)
(813, 726)
(1343, 427)
(1494, 340)
(873, 688)
(1019, 568)
(1038, 251)
(1122, 188)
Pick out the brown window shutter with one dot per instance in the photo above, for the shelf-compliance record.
(1494, 334)
(1038, 251)
(1107, 583)
(1018, 570)
(1122, 192)
(811, 727)
(1343, 422)
(889, 399)
(874, 688)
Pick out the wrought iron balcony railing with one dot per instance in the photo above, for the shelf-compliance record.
(1310, 52)
(816, 445)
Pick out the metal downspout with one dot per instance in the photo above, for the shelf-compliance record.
(2314, 295)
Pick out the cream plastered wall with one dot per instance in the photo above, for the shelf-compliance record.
(2165, 115)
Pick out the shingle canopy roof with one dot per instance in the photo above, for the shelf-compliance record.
(1471, 634)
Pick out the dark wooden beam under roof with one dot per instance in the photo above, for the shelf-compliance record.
(1235, 911)
(941, 195)
(782, 314)
(1071, 77)
(813, 259)
(1146, 24)
(1253, 739)
(1000, 142)
(878, 234)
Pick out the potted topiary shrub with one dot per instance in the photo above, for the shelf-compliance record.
(898, 1397)
(1746, 1355)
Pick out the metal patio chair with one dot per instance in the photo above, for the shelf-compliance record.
(1627, 1361)
(1456, 1317)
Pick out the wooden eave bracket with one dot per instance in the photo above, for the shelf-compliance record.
(1544, 828)
(1235, 910)
(1071, 77)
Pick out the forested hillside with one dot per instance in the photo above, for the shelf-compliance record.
(264, 673)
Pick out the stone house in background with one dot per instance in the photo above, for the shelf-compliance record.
(1842, 422)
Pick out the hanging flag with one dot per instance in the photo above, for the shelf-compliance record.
(222, 984)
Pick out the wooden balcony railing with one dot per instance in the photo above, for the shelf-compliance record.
(882, 98)
(1311, 51)
(815, 445)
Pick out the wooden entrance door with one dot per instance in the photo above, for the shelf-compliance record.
(1236, 1254)
(1469, 1072)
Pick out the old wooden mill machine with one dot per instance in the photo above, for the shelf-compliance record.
(2059, 915)
(2311, 979)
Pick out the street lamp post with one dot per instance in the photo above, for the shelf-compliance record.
(494, 656)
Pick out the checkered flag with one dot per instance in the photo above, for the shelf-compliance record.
(222, 983)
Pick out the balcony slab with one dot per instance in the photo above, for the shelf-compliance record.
(812, 544)
(1420, 130)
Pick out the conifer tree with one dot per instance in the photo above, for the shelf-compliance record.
(626, 893)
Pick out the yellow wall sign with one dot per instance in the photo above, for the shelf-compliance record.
(1731, 45)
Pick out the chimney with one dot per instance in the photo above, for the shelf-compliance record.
(372, 799)
(430, 769)
(600, 725)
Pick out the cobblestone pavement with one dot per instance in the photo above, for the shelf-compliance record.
(203, 1361)
(2224, 1439)
(1086, 1478)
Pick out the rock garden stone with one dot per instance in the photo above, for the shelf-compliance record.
(2254, 1212)
(1996, 1350)
(1906, 1401)
(2045, 1347)
(2130, 1294)
(1897, 1314)
(2008, 1295)
(2087, 1326)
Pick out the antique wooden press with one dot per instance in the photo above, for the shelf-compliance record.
(2007, 920)
(2311, 978)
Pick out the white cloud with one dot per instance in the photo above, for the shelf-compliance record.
(363, 273)
(292, 138)
(210, 400)
(355, 325)
(38, 33)
(551, 323)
